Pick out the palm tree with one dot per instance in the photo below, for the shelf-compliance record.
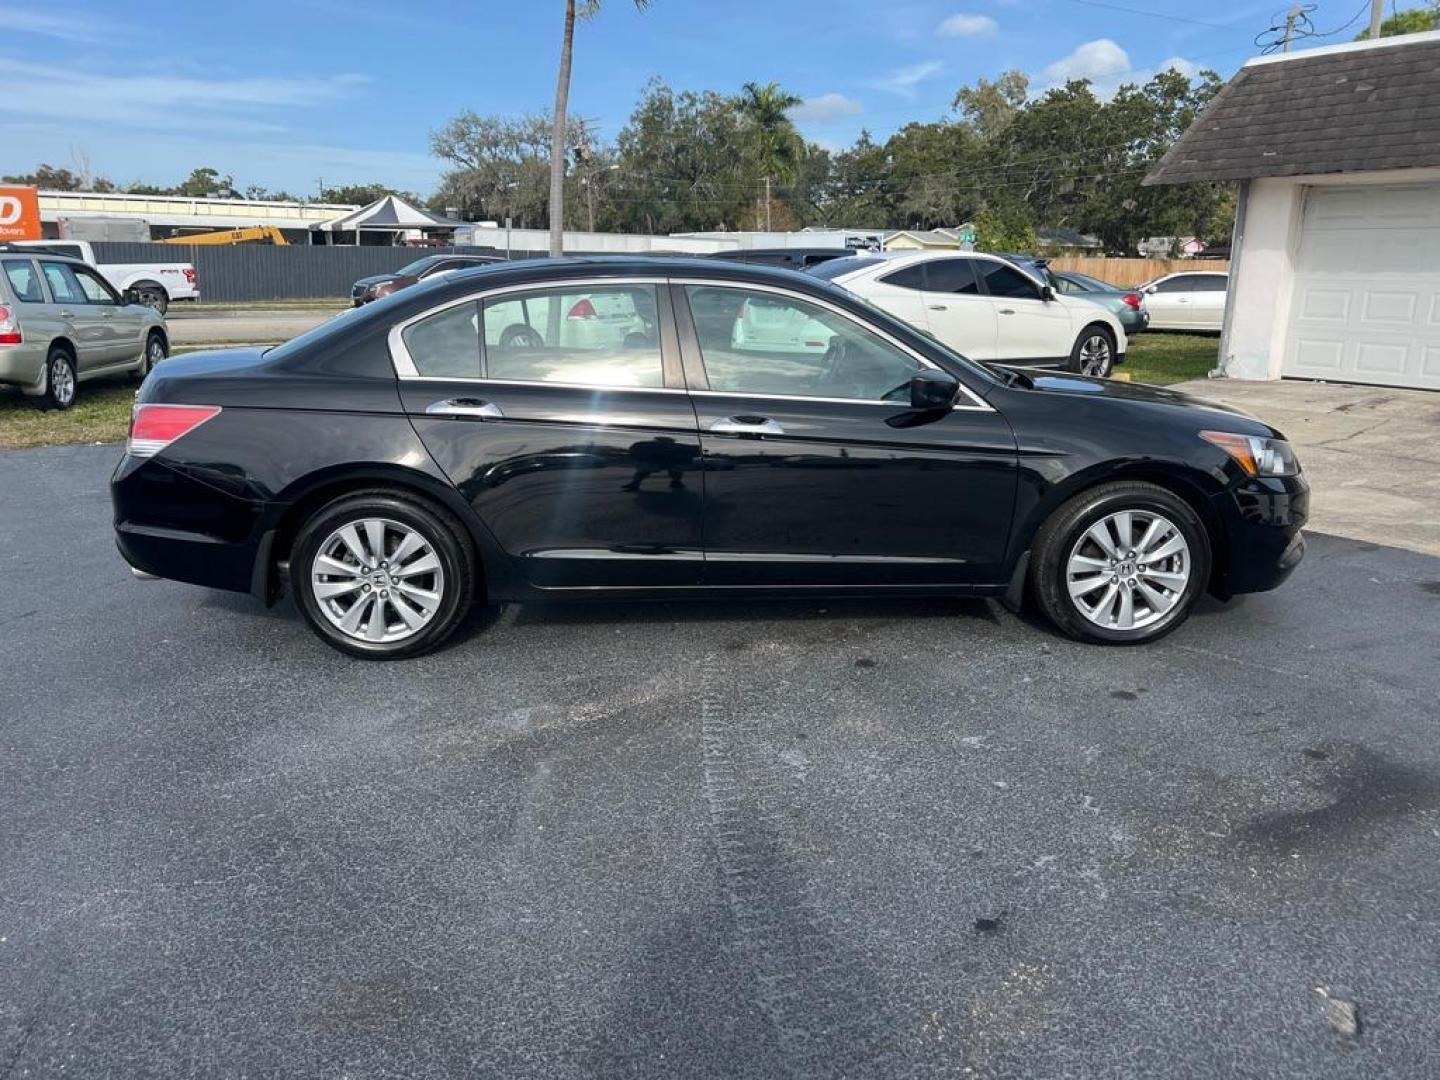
(562, 100)
(775, 145)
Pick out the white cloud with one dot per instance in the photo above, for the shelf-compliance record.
(161, 101)
(1108, 67)
(825, 107)
(90, 28)
(903, 81)
(962, 25)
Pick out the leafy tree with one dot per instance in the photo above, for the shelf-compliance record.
(206, 181)
(559, 128)
(500, 166)
(1409, 21)
(50, 178)
(364, 194)
(988, 107)
(1004, 230)
(773, 145)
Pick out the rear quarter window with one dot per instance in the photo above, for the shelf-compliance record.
(24, 281)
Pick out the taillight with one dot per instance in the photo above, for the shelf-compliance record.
(154, 427)
(190, 275)
(9, 328)
(1133, 299)
(583, 309)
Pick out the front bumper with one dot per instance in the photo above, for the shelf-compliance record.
(1263, 542)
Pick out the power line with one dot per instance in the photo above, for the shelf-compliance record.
(1231, 28)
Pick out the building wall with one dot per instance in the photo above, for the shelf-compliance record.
(1262, 277)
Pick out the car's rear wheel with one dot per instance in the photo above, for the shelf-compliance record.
(382, 576)
(59, 379)
(1094, 352)
(1121, 564)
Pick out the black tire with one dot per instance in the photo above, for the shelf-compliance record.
(446, 538)
(1093, 352)
(518, 335)
(60, 386)
(1065, 529)
(153, 295)
(156, 350)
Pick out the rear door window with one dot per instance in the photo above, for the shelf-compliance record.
(606, 335)
(24, 281)
(446, 345)
(1211, 282)
(953, 276)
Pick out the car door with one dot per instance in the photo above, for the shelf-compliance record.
(901, 292)
(121, 323)
(960, 315)
(1172, 303)
(575, 442)
(818, 472)
(85, 324)
(1029, 328)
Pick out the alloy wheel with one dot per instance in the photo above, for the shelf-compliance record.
(1095, 355)
(62, 381)
(377, 580)
(1128, 570)
(154, 353)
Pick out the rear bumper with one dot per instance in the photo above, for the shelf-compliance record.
(23, 365)
(170, 525)
(1262, 518)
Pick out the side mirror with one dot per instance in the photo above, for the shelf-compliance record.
(933, 389)
(131, 295)
(1150, 290)
(1047, 293)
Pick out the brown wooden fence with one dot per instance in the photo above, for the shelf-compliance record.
(1132, 271)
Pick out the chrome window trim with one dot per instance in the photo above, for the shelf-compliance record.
(978, 403)
(404, 365)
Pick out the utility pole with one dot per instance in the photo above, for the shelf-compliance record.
(1291, 16)
(767, 204)
(1377, 16)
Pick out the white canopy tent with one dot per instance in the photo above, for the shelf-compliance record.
(389, 216)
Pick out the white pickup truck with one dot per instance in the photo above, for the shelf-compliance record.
(154, 284)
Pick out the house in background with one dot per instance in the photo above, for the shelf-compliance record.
(1166, 247)
(1335, 262)
(1058, 241)
(961, 238)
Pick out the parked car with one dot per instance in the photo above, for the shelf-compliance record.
(985, 307)
(784, 258)
(1127, 305)
(1191, 300)
(153, 284)
(378, 285)
(62, 323)
(423, 471)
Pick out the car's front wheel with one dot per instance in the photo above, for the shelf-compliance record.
(1093, 353)
(155, 351)
(382, 576)
(1121, 564)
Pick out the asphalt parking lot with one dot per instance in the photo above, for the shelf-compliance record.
(823, 839)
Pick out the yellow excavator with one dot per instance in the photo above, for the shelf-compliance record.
(255, 234)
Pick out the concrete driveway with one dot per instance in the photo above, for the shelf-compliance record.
(889, 839)
(1372, 454)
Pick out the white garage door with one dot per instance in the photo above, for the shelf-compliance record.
(1367, 287)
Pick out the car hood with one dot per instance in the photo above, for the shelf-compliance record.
(1144, 395)
(377, 279)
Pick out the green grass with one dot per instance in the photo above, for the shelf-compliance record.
(1170, 358)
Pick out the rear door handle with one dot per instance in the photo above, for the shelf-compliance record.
(471, 407)
(938, 307)
(1007, 311)
(747, 425)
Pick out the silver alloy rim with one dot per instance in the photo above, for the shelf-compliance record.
(62, 381)
(1128, 570)
(377, 581)
(1095, 355)
(154, 353)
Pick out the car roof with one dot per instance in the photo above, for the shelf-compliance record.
(742, 252)
(41, 249)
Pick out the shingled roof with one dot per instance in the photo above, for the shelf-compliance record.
(1343, 109)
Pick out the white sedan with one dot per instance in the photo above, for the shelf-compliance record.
(1192, 300)
(985, 307)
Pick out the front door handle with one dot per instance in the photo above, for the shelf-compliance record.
(938, 307)
(1007, 311)
(107, 314)
(747, 425)
(471, 407)
(66, 313)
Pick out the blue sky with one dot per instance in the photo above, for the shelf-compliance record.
(285, 94)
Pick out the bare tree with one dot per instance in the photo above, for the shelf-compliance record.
(587, 8)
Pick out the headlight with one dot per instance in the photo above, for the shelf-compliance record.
(1256, 454)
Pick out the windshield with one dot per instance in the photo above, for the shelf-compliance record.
(830, 269)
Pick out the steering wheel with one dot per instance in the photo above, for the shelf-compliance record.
(522, 336)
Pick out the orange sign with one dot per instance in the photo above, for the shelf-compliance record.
(19, 213)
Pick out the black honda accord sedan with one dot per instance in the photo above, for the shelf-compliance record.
(633, 427)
